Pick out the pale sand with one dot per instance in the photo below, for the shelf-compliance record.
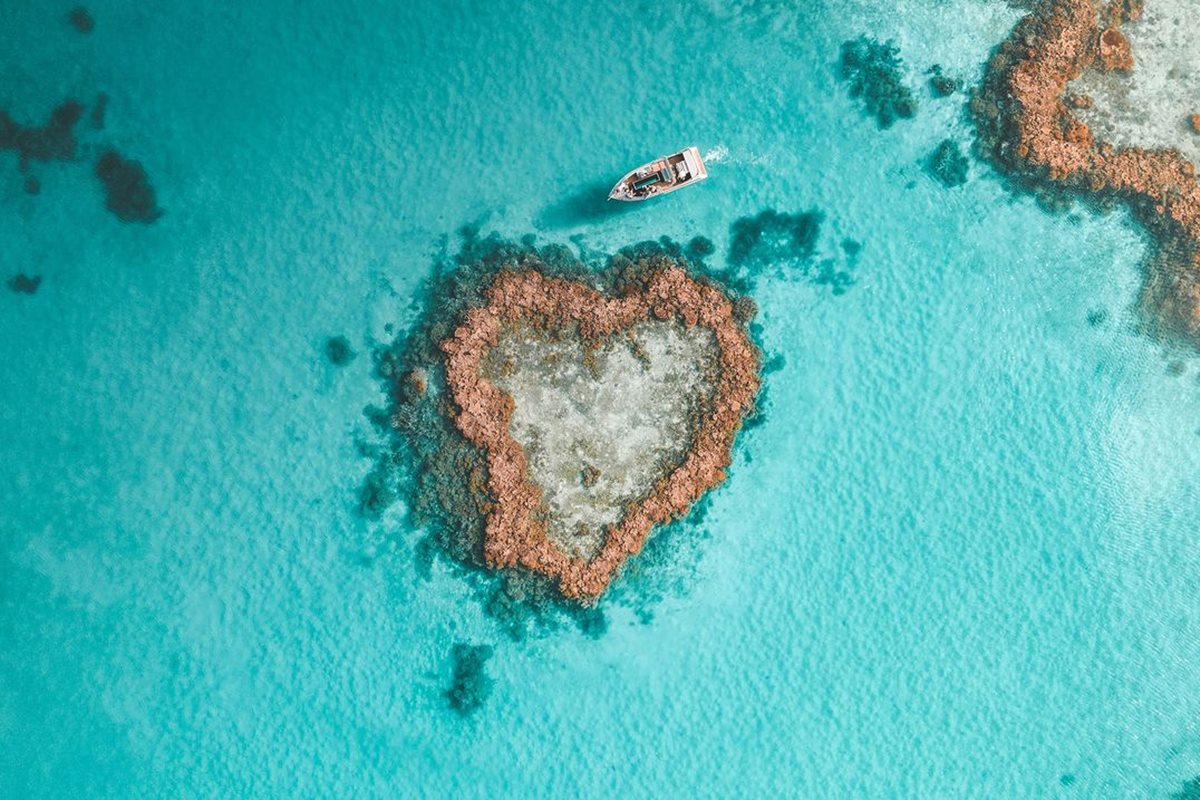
(1150, 106)
(628, 416)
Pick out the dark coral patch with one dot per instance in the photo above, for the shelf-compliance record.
(127, 189)
(338, 351)
(81, 20)
(1190, 791)
(948, 164)
(941, 84)
(24, 284)
(874, 73)
(470, 685)
(33, 185)
(773, 236)
(53, 141)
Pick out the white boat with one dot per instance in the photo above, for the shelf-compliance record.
(662, 175)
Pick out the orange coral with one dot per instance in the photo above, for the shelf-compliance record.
(514, 535)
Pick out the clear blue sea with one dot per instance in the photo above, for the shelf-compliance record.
(958, 559)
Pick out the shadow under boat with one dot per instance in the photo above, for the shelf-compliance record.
(589, 204)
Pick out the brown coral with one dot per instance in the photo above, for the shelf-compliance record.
(1023, 111)
(514, 533)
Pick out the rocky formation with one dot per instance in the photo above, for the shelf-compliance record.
(1026, 126)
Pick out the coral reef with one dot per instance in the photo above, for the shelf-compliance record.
(81, 20)
(54, 141)
(127, 190)
(470, 685)
(338, 351)
(1026, 128)
(948, 164)
(874, 73)
(24, 284)
(515, 532)
(442, 476)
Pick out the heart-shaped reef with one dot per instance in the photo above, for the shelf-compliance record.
(599, 416)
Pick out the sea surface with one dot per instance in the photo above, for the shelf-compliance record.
(959, 558)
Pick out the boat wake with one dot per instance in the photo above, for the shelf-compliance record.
(720, 155)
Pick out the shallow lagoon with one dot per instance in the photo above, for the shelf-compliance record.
(956, 559)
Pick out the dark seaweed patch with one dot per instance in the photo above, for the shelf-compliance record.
(127, 190)
(942, 85)
(54, 141)
(470, 685)
(24, 284)
(1066, 779)
(772, 237)
(81, 20)
(1097, 317)
(786, 243)
(32, 185)
(1190, 790)
(338, 351)
(874, 74)
(948, 164)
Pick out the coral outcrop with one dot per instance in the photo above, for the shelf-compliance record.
(1026, 126)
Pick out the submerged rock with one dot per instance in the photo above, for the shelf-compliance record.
(874, 73)
(127, 190)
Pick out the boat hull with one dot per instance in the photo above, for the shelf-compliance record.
(661, 176)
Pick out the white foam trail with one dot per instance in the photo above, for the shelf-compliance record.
(720, 155)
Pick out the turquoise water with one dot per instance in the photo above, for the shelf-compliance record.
(957, 560)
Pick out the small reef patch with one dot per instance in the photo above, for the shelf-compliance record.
(127, 190)
(24, 284)
(81, 20)
(948, 164)
(941, 84)
(470, 684)
(874, 73)
(785, 244)
(54, 141)
(338, 351)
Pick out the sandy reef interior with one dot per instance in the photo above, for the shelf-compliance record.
(1151, 105)
(601, 425)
